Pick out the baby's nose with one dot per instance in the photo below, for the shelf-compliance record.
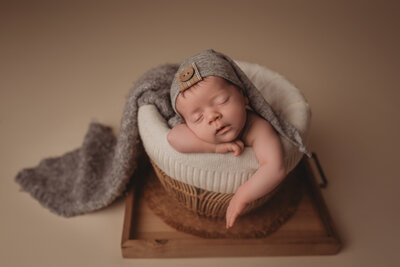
(212, 116)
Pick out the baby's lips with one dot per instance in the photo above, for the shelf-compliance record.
(218, 128)
(223, 129)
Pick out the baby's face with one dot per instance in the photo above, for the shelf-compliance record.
(213, 109)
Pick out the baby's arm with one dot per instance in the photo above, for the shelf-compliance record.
(268, 150)
(182, 139)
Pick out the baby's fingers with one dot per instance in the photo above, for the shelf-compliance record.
(231, 216)
(238, 147)
(240, 143)
(233, 219)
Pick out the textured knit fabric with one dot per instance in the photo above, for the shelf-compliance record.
(212, 63)
(94, 175)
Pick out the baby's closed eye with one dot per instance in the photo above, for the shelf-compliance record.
(197, 117)
(222, 100)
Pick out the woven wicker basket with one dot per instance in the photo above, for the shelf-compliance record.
(204, 203)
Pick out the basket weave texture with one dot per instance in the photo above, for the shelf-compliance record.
(204, 203)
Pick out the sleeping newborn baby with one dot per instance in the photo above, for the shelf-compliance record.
(218, 121)
(218, 118)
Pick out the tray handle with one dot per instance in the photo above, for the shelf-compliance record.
(321, 172)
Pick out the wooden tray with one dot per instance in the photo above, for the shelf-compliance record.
(310, 231)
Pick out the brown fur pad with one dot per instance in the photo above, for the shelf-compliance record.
(256, 224)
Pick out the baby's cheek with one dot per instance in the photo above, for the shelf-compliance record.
(195, 129)
(205, 135)
(192, 127)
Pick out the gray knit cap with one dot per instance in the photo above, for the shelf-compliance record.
(212, 63)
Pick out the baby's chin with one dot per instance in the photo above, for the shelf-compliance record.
(229, 137)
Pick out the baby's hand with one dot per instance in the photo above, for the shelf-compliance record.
(236, 147)
(236, 206)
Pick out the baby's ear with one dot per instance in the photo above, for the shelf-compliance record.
(246, 100)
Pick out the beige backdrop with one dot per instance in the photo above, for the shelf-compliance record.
(66, 63)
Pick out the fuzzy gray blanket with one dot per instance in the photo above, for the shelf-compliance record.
(94, 175)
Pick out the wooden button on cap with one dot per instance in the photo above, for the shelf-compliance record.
(186, 74)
